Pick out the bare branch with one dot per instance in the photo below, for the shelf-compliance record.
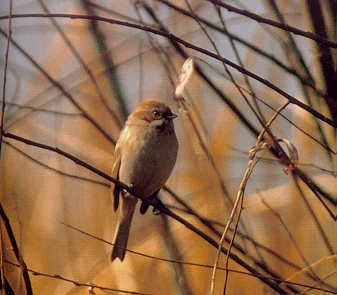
(282, 26)
(90, 285)
(156, 203)
(22, 264)
(170, 36)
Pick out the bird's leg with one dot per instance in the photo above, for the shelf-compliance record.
(128, 194)
(145, 205)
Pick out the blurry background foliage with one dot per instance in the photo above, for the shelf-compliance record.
(71, 72)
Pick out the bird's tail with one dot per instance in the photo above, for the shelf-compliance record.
(123, 228)
(121, 239)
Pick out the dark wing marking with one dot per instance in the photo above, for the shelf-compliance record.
(115, 174)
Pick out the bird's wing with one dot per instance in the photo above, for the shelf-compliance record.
(115, 189)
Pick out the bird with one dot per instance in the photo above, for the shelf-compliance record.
(145, 154)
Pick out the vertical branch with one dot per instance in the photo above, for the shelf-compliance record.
(3, 98)
(170, 241)
(315, 218)
(83, 64)
(289, 44)
(16, 251)
(238, 57)
(3, 105)
(297, 62)
(207, 79)
(107, 61)
(326, 64)
(291, 237)
(239, 201)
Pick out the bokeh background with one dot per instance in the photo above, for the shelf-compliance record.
(72, 71)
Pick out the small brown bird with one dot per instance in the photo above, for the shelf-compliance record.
(145, 154)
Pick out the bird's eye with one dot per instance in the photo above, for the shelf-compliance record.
(156, 113)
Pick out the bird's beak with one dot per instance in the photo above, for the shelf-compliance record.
(171, 117)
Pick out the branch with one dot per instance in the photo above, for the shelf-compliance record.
(15, 248)
(90, 285)
(83, 64)
(59, 86)
(5, 74)
(69, 156)
(157, 204)
(276, 24)
(22, 265)
(251, 46)
(172, 37)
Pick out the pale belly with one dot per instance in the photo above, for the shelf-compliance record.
(149, 169)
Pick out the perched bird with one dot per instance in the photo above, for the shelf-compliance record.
(145, 154)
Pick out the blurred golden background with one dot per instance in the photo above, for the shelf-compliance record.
(71, 72)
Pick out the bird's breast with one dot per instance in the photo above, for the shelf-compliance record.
(147, 159)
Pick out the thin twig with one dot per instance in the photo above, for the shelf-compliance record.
(239, 199)
(174, 38)
(297, 62)
(170, 240)
(315, 218)
(69, 156)
(54, 169)
(107, 61)
(16, 250)
(83, 64)
(21, 263)
(90, 285)
(197, 264)
(250, 46)
(315, 189)
(3, 98)
(277, 215)
(276, 24)
(60, 87)
(238, 57)
(211, 223)
(211, 159)
(156, 203)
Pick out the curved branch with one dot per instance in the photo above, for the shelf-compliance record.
(156, 203)
(170, 36)
(276, 24)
